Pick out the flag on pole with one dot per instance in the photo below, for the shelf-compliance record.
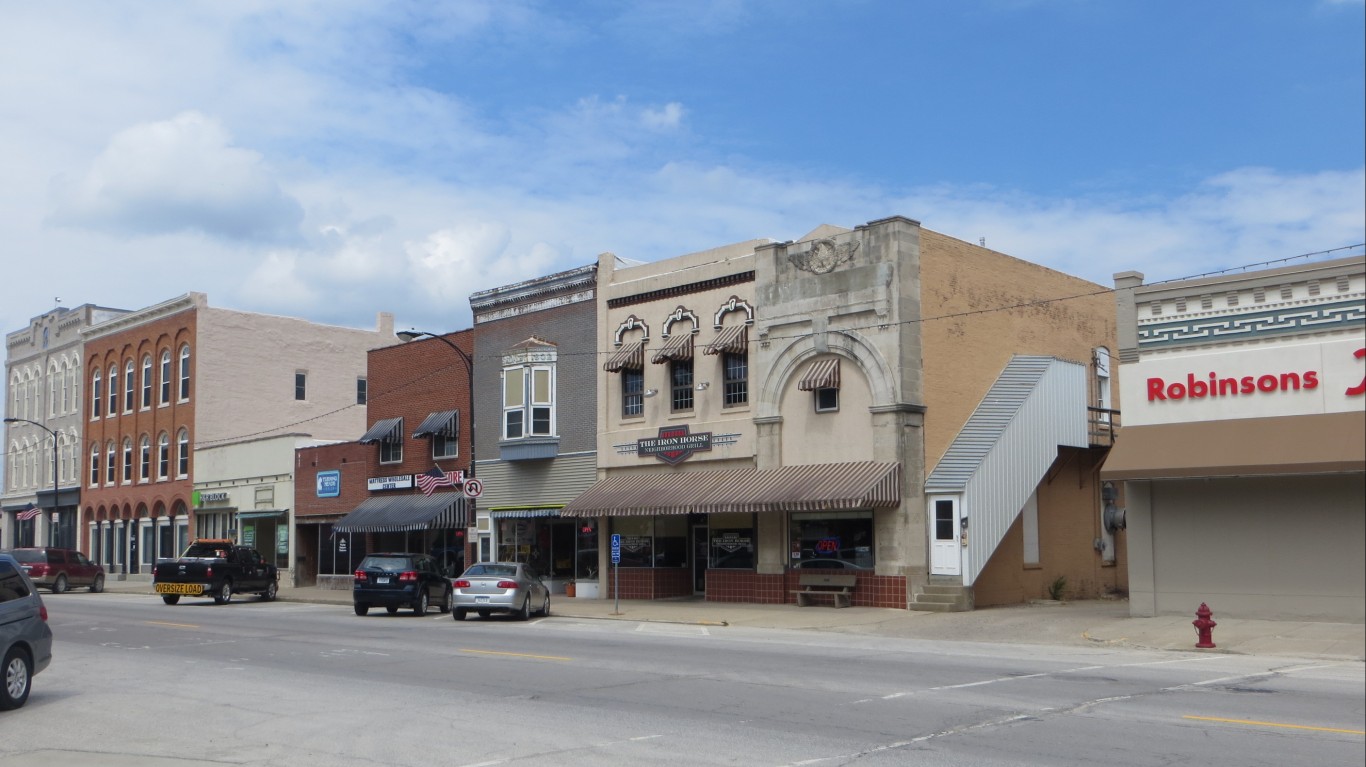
(431, 480)
(31, 512)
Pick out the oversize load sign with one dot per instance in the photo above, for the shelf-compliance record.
(674, 444)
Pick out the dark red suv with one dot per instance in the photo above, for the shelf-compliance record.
(60, 569)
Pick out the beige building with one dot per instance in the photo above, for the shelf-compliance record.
(1243, 452)
(885, 401)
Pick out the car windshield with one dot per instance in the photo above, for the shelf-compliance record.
(498, 570)
(29, 556)
(386, 564)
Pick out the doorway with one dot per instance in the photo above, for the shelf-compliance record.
(700, 552)
(945, 549)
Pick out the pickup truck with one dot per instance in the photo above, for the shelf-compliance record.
(215, 567)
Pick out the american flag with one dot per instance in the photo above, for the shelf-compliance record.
(30, 513)
(435, 478)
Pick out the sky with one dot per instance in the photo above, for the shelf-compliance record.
(334, 159)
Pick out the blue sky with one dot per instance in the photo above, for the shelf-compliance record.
(331, 160)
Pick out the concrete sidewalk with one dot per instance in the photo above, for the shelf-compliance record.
(1085, 623)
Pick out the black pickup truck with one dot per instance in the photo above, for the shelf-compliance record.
(215, 567)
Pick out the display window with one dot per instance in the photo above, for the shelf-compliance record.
(831, 540)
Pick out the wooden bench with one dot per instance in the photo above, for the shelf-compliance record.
(840, 588)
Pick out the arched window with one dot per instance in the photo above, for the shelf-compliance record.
(111, 463)
(145, 459)
(113, 384)
(52, 390)
(96, 395)
(185, 372)
(182, 455)
(94, 465)
(66, 401)
(130, 389)
(165, 376)
(163, 456)
(127, 460)
(146, 382)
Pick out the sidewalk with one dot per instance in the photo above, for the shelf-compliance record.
(1085, 623)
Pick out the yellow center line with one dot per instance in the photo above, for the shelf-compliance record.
(1275, 724)
(174, 625)
(517, 654)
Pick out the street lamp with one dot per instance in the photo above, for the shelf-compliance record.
(52, 534)
(409, 335)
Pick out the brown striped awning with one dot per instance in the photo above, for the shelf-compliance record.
(816, 487)
(822, 374)
(733, 340)
(630, 356)
(678, 347)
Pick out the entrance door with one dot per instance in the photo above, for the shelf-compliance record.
(945, 550)
(699, 559)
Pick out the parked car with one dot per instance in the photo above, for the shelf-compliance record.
(500, 587)
(25, 638)
(394, 580)
(59, 569)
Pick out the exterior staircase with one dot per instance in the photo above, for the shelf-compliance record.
(943, 598)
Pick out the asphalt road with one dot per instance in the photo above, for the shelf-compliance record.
(136, 682)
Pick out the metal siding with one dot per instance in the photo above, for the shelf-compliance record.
(542, 483)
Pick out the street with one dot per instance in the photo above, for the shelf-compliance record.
(137, 682)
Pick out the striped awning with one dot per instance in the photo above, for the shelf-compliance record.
(816, 487)
(630, 356)
(445, 424)
(677, 347)
(384, 430)
(822, 374)
(397, 513)
(733, 339)
(534, 512)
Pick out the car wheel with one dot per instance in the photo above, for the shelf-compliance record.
(525, 612)
(59, 585)
(98, 585)
(18, 671)
(458, 613)
(484, 613)
(448, 602)
(545, 606)
(224, 594)
(420, 607)
(170, 599)
(362, 609)
(272, 590)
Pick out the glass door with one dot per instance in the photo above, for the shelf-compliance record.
(700, 552)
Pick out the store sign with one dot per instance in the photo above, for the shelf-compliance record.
(674, 445)
(402, 482)
(217, 496)
(329, 484)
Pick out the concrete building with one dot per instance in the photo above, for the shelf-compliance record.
(44, 368)
(1243, 452)
(536, 395)
(368, 494)
(169, 380)
(885, 401)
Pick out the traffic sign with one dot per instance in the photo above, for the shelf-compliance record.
(616, 548)
(473, 488)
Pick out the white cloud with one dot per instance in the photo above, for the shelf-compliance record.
(669, 116)
(182, 174)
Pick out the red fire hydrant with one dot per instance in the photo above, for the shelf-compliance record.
(1204, 626)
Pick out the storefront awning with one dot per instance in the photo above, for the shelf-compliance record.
(384, 430)
(630, 356)
(822, 374)
(732, 340)
(817, 487)
(1307, 444)
(445, 424)
(678, 347)
(262, 513)
(525, 513)
(397, 513)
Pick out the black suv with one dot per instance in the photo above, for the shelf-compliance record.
(397, 580)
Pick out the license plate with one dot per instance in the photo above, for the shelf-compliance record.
(381, 580)
(180, 588)
(481, 600)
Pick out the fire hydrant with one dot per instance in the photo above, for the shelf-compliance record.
(1204, 626)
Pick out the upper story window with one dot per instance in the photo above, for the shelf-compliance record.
(735, 379)
(127, 460)
(823, 379)
(130, 389)
(388, 433)
(165, 376)
(184, 373)
(144, 459)
(680, 386)
(362, 391)
(94, 465)
(444, 430)
(163, 456)
(113, 391)
(146, 382)
(528, 401)
(96, 394)
(111, 463)
(632, 393)
(182, 454)
(300, 385)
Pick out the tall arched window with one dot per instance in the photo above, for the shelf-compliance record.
(94, 465)
(52, 390)
(113, 384)
(96, 395)
(145, 459)
(146, 381)
(130, 389)
(182, 454)
(66, 401)
(127, 460)
(163, 456)
(185, 372)
(111, 466)
(165, 376)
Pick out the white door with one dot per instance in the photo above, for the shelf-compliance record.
(945, 550)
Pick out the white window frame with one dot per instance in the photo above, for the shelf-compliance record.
(165, 378)
(113, 384)
(184, 373)
(182, 454)
(529, 404)
(96, 394)
(163, 456)
(111, 468)
(146, 403)
(130, 389)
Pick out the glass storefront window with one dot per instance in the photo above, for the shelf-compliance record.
(671, 541)
(730, 541)
(637, 540)
(840, 539)
(586, 553)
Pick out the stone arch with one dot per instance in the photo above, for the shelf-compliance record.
(847, 344)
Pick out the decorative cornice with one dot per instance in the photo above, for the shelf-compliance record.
(144, 316)
(573, 281)
(681, 290)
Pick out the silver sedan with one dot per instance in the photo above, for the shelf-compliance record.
(500, 587)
